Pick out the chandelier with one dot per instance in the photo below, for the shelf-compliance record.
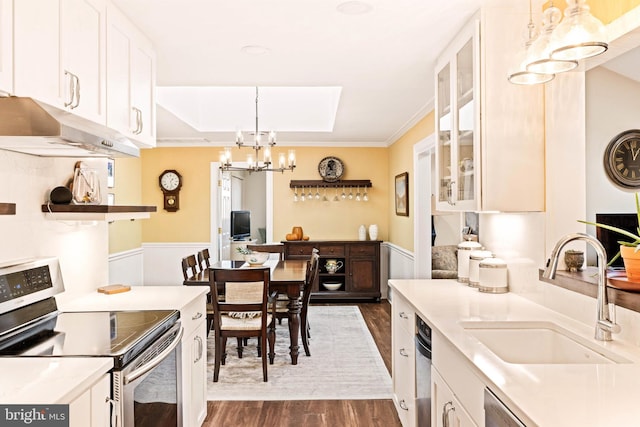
(285, 162)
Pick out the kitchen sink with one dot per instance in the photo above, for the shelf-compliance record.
(538, 343)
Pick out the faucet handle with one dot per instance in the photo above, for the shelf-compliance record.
(609, 326)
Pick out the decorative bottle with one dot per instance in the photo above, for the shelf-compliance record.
(373, 232)
(362, 233)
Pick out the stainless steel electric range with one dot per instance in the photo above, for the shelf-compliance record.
(144, 345)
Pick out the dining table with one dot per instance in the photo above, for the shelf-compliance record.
(287, 277)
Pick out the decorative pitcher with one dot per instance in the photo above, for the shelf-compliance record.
(333, 265)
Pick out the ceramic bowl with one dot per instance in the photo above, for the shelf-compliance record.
(332, 286)
(256, 258)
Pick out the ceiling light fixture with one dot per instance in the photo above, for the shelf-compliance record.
(580, 35)
(520, 75)
(285, 162)
(540, 60)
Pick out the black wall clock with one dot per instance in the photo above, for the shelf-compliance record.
(622, 160)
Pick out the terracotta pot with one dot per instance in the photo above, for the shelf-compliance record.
(631, 260)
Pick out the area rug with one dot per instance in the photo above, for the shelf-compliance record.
(344, 363)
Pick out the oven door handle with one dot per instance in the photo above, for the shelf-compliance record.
(155, 361)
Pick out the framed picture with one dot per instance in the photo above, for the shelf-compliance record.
(111, 173)
(402, 194)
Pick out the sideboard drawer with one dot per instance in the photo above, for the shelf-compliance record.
(299, 250)
(331, 250)
(362, 250)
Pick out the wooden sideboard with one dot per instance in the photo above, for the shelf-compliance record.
(359, 275)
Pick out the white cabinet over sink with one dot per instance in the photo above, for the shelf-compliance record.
(59, 54)
(490, 147)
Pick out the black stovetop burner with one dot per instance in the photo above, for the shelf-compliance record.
(118, 334)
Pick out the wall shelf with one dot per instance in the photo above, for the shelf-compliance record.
(324, 184)
(97, 212)
(7, 208)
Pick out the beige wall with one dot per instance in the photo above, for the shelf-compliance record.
(401, 160)
(334, 220)
(191, 222)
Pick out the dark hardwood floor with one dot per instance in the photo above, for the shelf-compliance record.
(318, 413)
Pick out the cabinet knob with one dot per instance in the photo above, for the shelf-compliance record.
(403, 405)
(403, 352)
(403, 315)
(196, 316)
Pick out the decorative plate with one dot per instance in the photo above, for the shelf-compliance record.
(331, 169)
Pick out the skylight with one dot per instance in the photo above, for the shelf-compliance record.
(228, 109)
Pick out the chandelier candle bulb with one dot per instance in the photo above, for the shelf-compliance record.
(281, 160)
(292, 158)
(267, 155)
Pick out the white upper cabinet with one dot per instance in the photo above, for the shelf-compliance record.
(490, 147)
(59, 54)
(6, 47)
(130, 80)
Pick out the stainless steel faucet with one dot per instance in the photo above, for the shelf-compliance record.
(604, 324)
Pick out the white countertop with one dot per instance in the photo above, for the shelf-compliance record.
(138, 298)
(49, 380)
(549, 395)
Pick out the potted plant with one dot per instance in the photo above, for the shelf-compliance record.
(629, 250)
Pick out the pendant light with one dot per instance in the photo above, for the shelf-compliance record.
(539, 60)
(520, 75)
(580, 35)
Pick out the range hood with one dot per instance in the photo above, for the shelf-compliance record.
(33, 127)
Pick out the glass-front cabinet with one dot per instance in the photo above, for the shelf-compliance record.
(457, 124)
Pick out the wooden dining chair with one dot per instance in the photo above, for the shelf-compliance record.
(274, 248)
(282, 309)
(189, 266)
(204, 259)
(243, 313)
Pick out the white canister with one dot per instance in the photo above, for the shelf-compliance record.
(493, 276)
(464, 248)
(474, 263)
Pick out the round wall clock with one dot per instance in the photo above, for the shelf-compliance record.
(622, 160)
(331, 169)
(170, 183)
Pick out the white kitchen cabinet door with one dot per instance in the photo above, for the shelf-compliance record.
(92, 408)
(446, 410)
(6, 46)
(37, 50)
(490, 147)
(194, 362)
(130, 80)
(403, 360)
(59, 55)
(458, 123)
(82, 53)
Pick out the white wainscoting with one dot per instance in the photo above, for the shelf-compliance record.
(158, 264)
(126, 267)
(162, 261)
(399, 265)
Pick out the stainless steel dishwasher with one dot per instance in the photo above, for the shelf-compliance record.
(496, 414)
(423, 372)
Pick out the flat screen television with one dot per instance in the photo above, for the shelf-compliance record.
(240, 225)
(610, 239)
